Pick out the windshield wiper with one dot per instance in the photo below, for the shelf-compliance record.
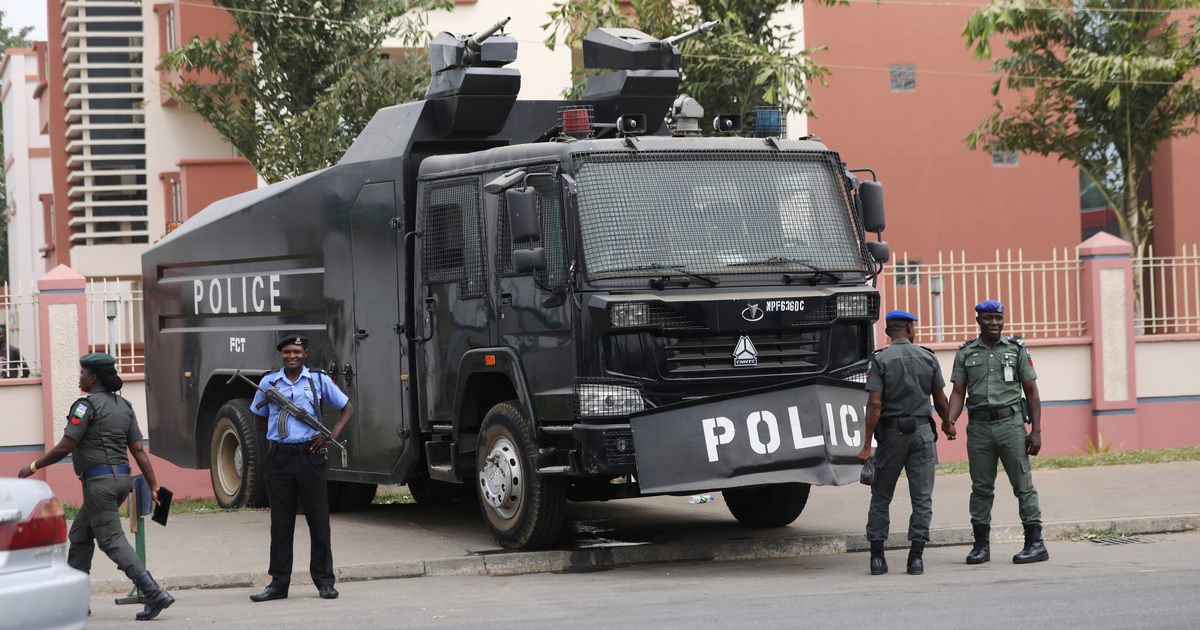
(674, 269)
(780, 260)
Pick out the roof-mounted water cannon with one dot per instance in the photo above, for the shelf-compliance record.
(646, 76)
(473, 91)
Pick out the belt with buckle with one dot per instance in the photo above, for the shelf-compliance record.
(992, 413)
(104, 469)
(282, 448)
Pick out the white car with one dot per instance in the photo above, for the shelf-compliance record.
(37, 588)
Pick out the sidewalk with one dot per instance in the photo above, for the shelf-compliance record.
(231, 549)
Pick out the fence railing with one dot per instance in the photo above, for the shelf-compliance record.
(114, 321)
(21, 345)
(1041, 298)
(1169, 292)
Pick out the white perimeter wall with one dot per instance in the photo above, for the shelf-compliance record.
(1064, 372)
(21, 424)
(1162, 371)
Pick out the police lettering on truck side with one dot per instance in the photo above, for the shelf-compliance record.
(236, 294)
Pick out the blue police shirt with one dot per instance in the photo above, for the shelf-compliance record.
(301, 393)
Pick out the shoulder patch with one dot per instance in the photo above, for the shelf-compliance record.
(78, 411)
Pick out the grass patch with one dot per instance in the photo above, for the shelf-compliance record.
(1089, 533)
(185, 505)
(392, 495)
(1155, 456)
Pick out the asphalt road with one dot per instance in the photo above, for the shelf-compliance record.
(1084, 585)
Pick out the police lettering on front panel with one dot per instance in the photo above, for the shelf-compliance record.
(720, 431)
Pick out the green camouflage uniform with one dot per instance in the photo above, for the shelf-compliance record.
(906, 375)
(996, 426)
(104, 426)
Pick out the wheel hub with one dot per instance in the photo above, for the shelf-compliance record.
(502, 480)
(229, 462)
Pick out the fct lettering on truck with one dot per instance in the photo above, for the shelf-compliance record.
(232, 295)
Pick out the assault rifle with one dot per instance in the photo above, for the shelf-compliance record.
(286, 406)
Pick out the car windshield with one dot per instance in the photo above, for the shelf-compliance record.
(716, 213)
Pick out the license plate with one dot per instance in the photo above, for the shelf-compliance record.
(809, 431)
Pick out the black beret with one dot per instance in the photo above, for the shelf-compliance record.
(292, 340)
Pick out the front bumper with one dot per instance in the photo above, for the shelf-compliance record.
(54, 597)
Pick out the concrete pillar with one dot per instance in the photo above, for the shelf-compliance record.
(1108, 301)
(62, 310)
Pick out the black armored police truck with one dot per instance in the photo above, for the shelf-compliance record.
(536, 302)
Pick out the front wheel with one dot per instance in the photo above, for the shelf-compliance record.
(773, 505)
(522, 509)
(238, 462)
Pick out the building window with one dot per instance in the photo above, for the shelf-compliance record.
(908, 273)
(903, 78)
(1004, 158)
(170, 34)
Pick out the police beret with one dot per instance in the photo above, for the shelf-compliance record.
(293, 340)
(989, 306)
(900, 315)
(97, 360)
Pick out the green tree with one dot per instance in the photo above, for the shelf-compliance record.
(8, 39)
(299, 79)
(744, 62)
(1100, 83)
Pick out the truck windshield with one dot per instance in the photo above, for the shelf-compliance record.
(715, 213)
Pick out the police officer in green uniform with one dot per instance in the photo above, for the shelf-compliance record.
(900, 380)
(990, 374)
(101, 427)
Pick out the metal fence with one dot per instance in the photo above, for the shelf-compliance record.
(1169, 293)
(1041, 298)
(21, 344)
(114, 321)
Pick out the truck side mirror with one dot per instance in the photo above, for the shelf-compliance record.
(526, 260)
(871, 194)
(879, 250)
(523, 220)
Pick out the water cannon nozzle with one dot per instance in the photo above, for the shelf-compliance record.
(475, 41)
(676, 40)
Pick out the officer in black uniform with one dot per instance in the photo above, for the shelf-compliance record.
(900, 380)
(296, 460)
(100, 428)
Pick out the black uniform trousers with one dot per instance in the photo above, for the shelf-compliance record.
(291, 478)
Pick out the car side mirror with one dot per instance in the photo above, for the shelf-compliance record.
(871, 194)
(526, 260)
(879, 250)
(523, 220)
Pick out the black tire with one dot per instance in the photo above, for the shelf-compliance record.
(425, 490)
(238, 458)
(346, 496)
(522, 509)
(774, 505)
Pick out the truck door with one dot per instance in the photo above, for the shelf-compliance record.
(366, 340)
(454, 302)
(535, 320)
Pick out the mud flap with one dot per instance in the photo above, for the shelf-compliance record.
(807, 431)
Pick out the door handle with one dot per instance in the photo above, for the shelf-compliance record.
(333, 372)
(348, 372)
(361, 334)
(506, 299)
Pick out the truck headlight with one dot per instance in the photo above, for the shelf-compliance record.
(599, 400)
(629, 314)
(855, 305)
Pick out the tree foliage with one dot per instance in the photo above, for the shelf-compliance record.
(298, 80)
(8, 39)
(745, 62)
(1101, 83)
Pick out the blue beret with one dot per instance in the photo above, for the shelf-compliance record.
(900, 315)
(989, 306)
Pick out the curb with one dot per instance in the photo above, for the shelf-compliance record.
(586, 560)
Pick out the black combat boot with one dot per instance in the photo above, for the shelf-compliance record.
(1035, 549)
(878, 562)
(157, 600)
(916, 566)
(982, 551)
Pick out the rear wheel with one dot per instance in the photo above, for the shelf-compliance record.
(774, 505)
(522, 509)
(346, 496)
(238, 458)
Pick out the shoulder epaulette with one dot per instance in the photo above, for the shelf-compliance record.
(929, 350)
(1019, 342)
(964, 344)
(880, 350)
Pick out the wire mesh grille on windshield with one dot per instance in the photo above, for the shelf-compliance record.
(654, 213)
(452, 247)
(550, 208)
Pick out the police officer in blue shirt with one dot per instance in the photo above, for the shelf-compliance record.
(296, 459)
